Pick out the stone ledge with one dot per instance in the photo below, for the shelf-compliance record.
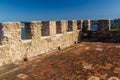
(79, 30)
(1, 46)
(26, 41)
(71, 32)
(44, 37)
(58, 35)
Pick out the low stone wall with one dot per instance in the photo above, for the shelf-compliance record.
(20, 41)
(102, 34)
(97, 36)
(14, 49)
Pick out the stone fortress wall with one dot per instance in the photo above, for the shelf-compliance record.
(39, 38)
(103, 33)
(25, 40)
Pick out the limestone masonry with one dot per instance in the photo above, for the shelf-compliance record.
(20, 41)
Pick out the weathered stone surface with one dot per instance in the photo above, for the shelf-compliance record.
(98, 49)
(87, 66)
(14, 49)
(71, 64)
(94, 78)
(103, 25)
(35, 43)
(22, 76)
(113, 78)
(117, 70)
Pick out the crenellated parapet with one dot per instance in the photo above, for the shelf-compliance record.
(20, 41)
(104, 25)
(10, 32)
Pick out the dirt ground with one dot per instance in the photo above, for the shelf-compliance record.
(84, 61)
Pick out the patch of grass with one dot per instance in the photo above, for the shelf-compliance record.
(114, 27)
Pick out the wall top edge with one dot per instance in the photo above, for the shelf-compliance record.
(51, 20)
(9, 22)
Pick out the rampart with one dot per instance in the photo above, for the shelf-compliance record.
(103, 33)
(20, 41)
(24, 40)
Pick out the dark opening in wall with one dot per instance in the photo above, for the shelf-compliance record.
(23, 36)
(79, 25)
(93, 24)
(59, 48)
(75, 42)
(1, 34)
(45, 29)
(26, 31)
(70, 26)
(25, 59)
(58, 27)
(85, 25)
(119, 24)
(115, 24)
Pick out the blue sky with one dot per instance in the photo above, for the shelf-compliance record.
(33, 10)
